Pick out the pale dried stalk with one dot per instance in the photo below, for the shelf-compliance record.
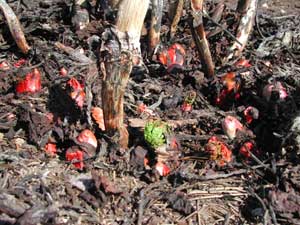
(176, 17)
(14, 26)
(218, 11)
(154, 33)
(200, 38)
(244, 30)
(131, 15)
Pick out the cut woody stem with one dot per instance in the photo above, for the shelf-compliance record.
(200, 38)
(14, 26)
(154, 34)
(120, 51)
(248, 9)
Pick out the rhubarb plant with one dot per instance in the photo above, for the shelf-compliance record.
(155, 133)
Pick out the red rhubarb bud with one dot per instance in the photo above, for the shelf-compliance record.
(250, 114)
(243, 63)
(141, 108)
(87, 136)
(274, 87)
(218, 151)
(186, 107)
(97, 114)
(162, 169)
(75, 156)
(188, 101)
(63, 71)
(230, 126)
(77, 93)
(50, 149)
(31, 83)
(173, 57)
(19, 63)
(173, 143)
(231, 82)
(4, 66)
(246, 148)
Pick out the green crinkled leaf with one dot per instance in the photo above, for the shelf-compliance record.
(154, 133)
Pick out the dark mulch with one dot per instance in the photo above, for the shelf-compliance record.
(114, 187)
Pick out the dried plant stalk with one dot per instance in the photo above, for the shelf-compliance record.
(244, 29)
(156, 15)
(243, 5)
(176, 17)
(120, 47)
(200, 38)
(14, 26)
(81, 15)
(218, 11)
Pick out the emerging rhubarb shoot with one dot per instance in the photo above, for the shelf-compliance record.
(155, 133)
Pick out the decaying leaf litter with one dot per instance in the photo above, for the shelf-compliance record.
(215, 175)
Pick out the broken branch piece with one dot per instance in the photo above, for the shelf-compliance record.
(14, 26)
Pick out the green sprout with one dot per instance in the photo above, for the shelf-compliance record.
(191, 97)
(155, 132)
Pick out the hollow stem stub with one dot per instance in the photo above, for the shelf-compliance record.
(121, 44)
(116, 68)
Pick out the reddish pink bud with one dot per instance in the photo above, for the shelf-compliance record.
(74, 83)
(50, 149)
(141, 108)
(78, 94)
(174, 143)
(50, 117)
(230, 126)
(4, 66)
(173, 57)
(11, 116)
(76, 156)
(162, 169)
(218, 151)
(243, 63)
(63, 71)
(31, 83)
(246, 148)
(87, 136)
(277, 86)
(97, 114)
(250, 114)
(19, 63)
(186, 107)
